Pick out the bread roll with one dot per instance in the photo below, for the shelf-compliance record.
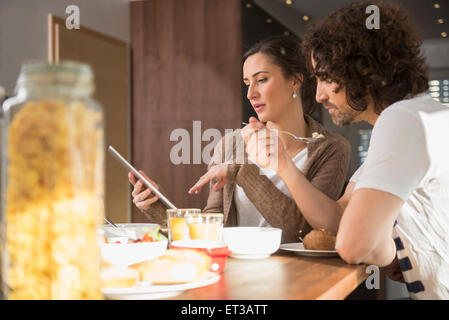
(319, 240)
(118, 277)
(175, 266)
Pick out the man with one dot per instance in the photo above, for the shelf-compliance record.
(395, 209)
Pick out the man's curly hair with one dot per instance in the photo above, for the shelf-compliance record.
(385, 64)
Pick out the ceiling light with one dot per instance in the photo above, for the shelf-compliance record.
(248, 5)
(444, 34)
(436, 5)
(305, 18)
(440, 21)
(289, 2)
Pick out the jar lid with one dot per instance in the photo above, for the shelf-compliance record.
(65, 73)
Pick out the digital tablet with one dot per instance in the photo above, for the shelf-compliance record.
(138, 175)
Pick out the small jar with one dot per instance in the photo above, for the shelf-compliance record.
(52, 188)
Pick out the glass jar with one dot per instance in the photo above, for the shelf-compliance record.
(52, 188)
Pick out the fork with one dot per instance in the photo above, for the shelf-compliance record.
(303, 139)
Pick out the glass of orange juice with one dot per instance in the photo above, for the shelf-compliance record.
(177, 225)
(204, 226)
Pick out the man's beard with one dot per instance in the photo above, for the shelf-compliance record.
(344, 118)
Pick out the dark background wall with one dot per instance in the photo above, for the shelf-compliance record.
(186, 61)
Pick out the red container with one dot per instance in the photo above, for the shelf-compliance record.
(218, 252)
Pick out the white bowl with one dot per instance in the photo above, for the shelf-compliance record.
(252, 242)
(125, 254)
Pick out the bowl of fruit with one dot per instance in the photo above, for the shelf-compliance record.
(132, 243)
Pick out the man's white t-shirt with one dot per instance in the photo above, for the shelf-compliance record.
(408, 157)
(247, 213)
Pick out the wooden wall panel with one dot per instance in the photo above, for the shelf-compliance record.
(186, 66)
(109, 60)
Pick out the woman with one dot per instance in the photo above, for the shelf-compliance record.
(282, 93)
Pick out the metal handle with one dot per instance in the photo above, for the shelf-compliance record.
(110, 222)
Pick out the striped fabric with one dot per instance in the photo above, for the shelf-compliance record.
(406, 265)
(399, 244)
(415, 286)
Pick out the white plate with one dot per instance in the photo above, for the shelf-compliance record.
(145, 291)
(298, 248)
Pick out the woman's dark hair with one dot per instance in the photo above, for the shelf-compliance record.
(385, 64)
(286, 52)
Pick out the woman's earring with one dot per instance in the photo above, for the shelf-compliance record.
(294, 95)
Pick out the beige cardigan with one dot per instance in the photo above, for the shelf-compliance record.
(326, 168)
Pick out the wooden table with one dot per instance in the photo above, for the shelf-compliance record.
(283, 276)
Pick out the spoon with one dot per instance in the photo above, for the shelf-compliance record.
(122, 231)
(110, 222)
